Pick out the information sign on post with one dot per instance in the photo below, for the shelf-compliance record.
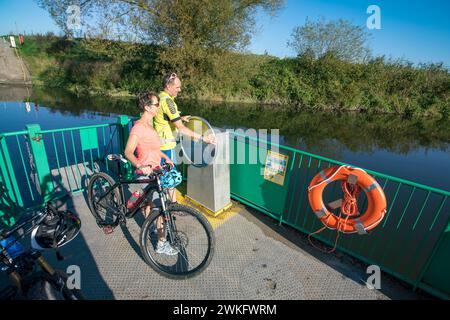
(13, 42)
(275, 168)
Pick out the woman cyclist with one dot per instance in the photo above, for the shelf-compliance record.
(145, 142)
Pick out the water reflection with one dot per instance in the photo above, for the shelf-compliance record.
(415, 149)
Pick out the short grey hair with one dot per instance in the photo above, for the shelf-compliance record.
(169, 78)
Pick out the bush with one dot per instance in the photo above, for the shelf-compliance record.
(378, 86)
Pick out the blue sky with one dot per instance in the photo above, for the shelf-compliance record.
(416, 30)
(27, 15)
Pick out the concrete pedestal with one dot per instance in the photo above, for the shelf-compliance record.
(210, 186)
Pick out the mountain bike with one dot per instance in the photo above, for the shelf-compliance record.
(185, 229)
(50, 228)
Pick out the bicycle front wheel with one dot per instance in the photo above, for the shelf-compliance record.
(191, 236)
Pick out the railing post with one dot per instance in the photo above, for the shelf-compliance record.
(124, 133)
(123, 121)
(10, 197)
(37, 147)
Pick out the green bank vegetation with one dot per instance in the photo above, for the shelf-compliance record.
(376, 86)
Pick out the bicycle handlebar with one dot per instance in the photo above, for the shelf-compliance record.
(156, 171)
(161, 169)
(8, 232)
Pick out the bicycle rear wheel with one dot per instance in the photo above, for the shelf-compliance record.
(192, 237)
(105, 209)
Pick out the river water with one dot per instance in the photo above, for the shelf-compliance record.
(412, 149)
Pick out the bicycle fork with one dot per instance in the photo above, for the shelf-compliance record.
(45, 265)
(16, 278)
(169, 224)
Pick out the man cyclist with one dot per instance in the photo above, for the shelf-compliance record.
(168, 120)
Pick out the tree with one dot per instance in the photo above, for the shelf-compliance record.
(64, 17)
(192, 33)
(341, 38)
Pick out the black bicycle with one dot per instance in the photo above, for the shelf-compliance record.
(50, 228)
(186, 230)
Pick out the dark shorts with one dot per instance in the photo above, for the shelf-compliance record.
(171, 154)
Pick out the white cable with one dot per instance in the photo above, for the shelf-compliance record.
(318, 184)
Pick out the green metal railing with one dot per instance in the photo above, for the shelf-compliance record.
(413, 232)
(411, 243)
(49, 161)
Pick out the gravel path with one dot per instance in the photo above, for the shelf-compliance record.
(12, 69)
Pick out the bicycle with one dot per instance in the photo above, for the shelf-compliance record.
(186, 229)
(50, 229)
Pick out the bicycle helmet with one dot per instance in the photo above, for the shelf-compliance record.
(171, 179)
(56, 232)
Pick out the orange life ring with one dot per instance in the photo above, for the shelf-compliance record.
(376, 208)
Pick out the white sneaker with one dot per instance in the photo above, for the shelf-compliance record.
(165, 248)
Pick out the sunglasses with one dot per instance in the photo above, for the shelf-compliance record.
(173, 76)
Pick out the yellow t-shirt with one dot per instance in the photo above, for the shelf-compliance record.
(163, 121)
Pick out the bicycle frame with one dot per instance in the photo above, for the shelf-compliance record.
(153, 185)
(165, 231)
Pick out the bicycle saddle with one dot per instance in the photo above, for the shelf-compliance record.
(116, 157)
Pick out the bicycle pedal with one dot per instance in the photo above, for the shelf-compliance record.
(108, 230)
